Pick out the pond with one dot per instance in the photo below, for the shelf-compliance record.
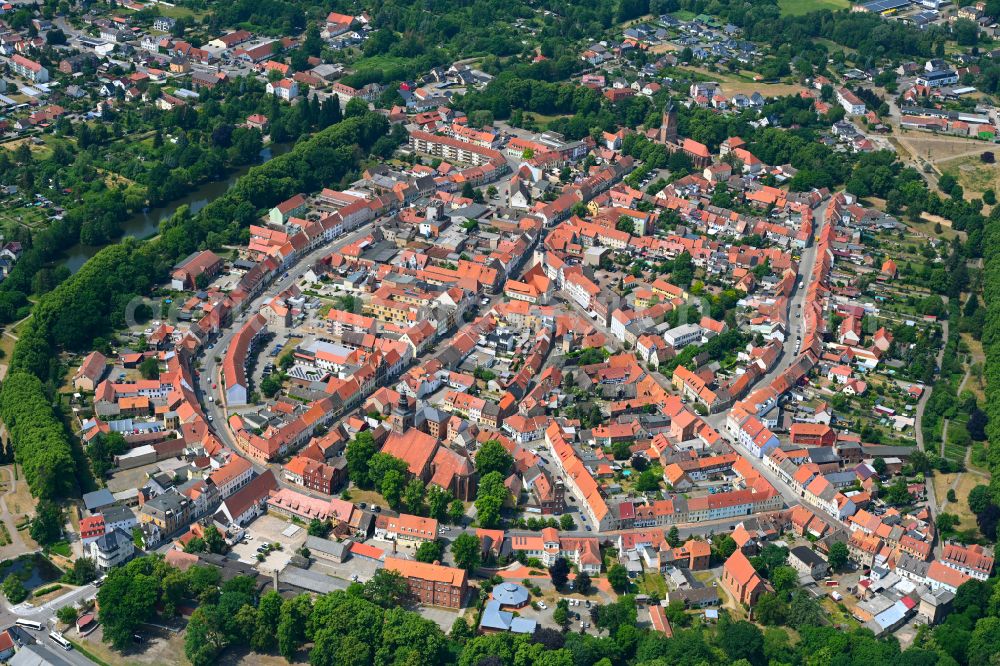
(38, 569)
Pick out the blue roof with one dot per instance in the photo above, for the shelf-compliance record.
(510, 594)
(501, 620)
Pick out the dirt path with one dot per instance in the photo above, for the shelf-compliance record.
(17, 546)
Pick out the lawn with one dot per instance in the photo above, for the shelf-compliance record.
(652, 583)
(837, 616)
(799, 7)
(61, 548)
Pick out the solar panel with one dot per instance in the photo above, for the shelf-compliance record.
(880, 6)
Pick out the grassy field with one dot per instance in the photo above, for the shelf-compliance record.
(974, 176)
(960, 508)
(799, 7)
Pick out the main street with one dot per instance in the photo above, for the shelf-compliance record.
(790, 350)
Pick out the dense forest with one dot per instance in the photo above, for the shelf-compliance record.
(92, 303)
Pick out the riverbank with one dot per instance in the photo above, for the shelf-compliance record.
(146, 224)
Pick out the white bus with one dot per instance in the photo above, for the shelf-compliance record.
(60, 641)
(29, 624)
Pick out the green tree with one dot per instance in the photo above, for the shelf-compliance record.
(559, 572)
(47, 525)
(626, 224)
(214, 540)
(437, 502)
(648, 481)
(804, 611)
(466, 551)
(430, 551)
(742, 640)
(622, 613)
(84, 570)
(583, 583)
(771, 610)
(979, 499)
(618, 578)
(265, 632)
(291, 631)
(561, 614)
(67, 614)
(493, 457)
(387, 589)
(149, 368)
(566, 522)
(204, 639)
(784, 578)
(128, 598)
(727, 546)
(319, 528)
(391, 488)
(837, 557)
(413, 496)
(490, 499)
(359, 451)
(456, 511)
(14, 590)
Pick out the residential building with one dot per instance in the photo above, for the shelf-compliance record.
(432, 584)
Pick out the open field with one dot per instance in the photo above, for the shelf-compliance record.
(666, 47)
(799, 7)
(972, 174)
(159, 649)
(936, 148)
(40, 149)
(960, 508)
(744, 83)
(974, 384)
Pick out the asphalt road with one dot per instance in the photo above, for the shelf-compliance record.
(46, 614)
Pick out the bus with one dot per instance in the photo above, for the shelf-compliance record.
(29, 624)
(60, 641)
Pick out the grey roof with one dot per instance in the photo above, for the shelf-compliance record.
(168, 501)
(97, 499)
(821, 455)
(112, 541)
(807, 556)
(320, 545)
(696, 596)
(311, 580)
(37, 655)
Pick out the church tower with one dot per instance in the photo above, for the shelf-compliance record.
(401, 418)
(668, 126)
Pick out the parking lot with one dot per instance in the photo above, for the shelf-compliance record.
(266, 530)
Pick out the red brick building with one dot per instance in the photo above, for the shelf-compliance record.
(741, 580)
(432, 584)
(813, 434)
